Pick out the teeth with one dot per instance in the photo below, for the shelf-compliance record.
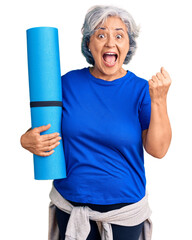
(110, 53)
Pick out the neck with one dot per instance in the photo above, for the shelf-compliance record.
(107, 77)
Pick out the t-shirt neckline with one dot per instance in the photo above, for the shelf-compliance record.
(105, 82)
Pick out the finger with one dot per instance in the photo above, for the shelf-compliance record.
(46, 154)
(40, 152)
(50, 148)
(151, 82)
(160, 77)
(51, 141)
(50, 136)
(164, 73)
(42, 128)
(154, 79)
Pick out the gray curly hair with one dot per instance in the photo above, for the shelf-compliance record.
(97, 15)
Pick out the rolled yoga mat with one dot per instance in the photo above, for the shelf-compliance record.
(46, 96)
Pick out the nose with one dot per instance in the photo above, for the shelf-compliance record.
(110, 41)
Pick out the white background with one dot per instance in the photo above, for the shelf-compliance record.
(165, 40)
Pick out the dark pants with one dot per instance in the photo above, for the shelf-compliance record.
(119, 232)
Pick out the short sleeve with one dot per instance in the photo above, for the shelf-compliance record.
(145, 108)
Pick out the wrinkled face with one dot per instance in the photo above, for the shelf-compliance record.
(109, 46)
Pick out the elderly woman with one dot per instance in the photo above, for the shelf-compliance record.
(109, 115)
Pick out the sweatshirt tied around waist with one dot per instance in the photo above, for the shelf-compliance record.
(78, 227)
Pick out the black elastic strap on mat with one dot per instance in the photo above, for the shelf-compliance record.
(46, 104)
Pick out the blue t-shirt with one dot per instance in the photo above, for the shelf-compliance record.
(102, 127)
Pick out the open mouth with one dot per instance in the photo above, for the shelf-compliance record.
(110, 58)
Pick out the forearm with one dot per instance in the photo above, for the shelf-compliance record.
(159, 134)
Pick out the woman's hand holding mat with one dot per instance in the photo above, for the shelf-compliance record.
(41, 145)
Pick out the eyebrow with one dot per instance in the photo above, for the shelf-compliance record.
(117, 29)
(101, 28)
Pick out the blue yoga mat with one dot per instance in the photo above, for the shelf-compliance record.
(46, 96)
